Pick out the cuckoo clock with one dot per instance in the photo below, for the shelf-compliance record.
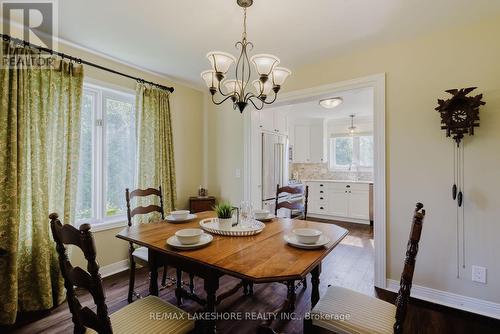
(460, 113)
(459, 117)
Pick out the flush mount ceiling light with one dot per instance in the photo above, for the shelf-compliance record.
(331, 102)
(239, 90)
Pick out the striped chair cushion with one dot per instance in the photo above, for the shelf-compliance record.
(344, 311)
(150, 315)
(141, 253)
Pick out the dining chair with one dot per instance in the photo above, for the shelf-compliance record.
(343, 310)
(140, 254)
(133, 318)
(296, 200)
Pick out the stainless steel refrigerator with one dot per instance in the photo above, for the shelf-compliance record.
(274, 167)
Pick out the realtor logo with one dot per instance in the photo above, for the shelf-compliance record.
(32, 21)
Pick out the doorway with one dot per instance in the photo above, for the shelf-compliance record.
(377, 84)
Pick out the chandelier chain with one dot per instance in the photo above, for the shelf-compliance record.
(244, 24)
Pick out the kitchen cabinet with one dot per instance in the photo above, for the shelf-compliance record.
(280, 122)
(359, 204)
(301, 144)
(317, 145)
(273, 121)
(337, 200)
(309, 142)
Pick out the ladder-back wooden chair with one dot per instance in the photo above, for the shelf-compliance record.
(368, 314)
(296, 201)
(133, 318)
(140, 254)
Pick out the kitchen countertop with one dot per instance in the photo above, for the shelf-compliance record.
(337, 181)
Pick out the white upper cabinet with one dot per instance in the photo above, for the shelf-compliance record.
(301, 144)
(309, 142)
(266, 120)
(273, 121)
(318, 142)
(280, 122)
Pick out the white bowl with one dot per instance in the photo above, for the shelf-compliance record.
(189, 236)
(180, 214)
(307, 235)
(260, 214)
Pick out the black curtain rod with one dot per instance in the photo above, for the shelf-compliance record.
(81, 61)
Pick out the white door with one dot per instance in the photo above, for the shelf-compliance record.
(359, 204)
(338, 202)
(301, 144)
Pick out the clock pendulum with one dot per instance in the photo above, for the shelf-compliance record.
(459, 116)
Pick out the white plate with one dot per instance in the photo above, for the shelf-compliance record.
(171, 218)
(204, 240)
(292, 240)
(267, 219)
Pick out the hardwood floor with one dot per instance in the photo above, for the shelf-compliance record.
(349, 265)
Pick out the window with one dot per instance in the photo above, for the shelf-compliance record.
(107, 155)
(351, 153)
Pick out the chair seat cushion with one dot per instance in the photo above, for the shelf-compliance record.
(343, 311)
(150, 315)
(141, 253)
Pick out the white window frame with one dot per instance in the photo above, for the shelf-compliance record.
(354, 166)
(99, 221)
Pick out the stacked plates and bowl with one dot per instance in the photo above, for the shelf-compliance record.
(307, 238)
(180, 216)
(189, 238)
(263, 215)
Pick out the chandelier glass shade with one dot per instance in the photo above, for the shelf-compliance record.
(242, 90)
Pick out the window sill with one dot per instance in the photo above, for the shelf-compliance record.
(107, 225)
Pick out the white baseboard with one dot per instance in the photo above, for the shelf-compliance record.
(469, 304)
(113, 268)
(337, 218)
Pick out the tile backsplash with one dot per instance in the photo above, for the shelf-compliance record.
(321, 171)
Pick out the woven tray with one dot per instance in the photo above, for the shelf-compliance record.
(241, 230)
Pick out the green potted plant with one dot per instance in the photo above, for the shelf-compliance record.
(224, 212)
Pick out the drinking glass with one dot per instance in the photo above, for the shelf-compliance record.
(245, 211)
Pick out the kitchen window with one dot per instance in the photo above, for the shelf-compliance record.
(352, 153)
(107, 155)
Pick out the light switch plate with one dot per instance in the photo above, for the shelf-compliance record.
(479, 274)
(237, 173)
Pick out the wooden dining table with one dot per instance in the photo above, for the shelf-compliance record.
(262, 258)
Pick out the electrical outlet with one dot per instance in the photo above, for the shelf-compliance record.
(479, 274)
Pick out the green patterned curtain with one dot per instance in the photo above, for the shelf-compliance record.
(39, 147)
(155, 148)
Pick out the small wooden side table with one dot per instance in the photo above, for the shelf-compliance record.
(199, 204)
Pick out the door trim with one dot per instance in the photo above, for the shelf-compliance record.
(377, 82)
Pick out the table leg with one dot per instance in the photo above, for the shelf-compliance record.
(315, 285)
(153, 269)
(291, 296)
(178, 292)
(211, 285)
(191, 283)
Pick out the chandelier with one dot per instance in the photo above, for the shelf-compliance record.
(239, 90)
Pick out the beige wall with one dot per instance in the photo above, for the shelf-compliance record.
(225, 147)
(419, 160)
(187, 120)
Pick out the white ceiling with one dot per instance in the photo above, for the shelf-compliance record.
(358, 102)
(172, 37)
